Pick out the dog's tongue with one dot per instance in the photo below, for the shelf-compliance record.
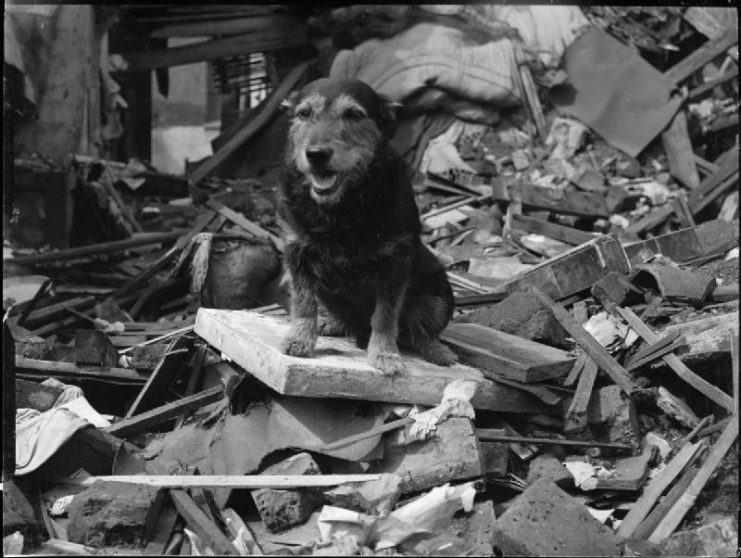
(323, 183)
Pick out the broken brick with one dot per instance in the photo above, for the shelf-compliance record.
(372, 497)
(549, 467)
(113, 513)
(545, 521)
(281, 509)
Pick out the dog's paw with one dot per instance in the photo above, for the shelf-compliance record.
(331, 327)
(389, 364)
(298, 346)
(437, 353)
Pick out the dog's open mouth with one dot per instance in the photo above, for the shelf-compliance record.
(324, 183)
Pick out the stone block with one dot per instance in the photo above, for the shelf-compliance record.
(113, 513)
(372, 497)
(282, 509)
(549, 467)
(451, 453)
(545, 521)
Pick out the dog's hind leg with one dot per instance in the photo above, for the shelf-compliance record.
(423, 320)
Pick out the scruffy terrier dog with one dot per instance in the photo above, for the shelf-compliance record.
(352, 231)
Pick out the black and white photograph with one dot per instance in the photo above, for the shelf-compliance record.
(370, 280)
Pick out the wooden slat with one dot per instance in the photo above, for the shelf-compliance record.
(689, 65)
(264, 112)
(576, 415)
(552, 230)
(156, 416)
(710, 391)
(590, 345)
(244, 223)
(54, 369)
(675, 515)
(264, 40)
(656, 487)
(678, 149)
(250, 482)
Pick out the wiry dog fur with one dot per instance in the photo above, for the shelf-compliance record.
(352, 230)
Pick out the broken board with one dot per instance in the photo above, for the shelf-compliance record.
(512, 356)
(339, 369)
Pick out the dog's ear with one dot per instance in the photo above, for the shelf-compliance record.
(289, 102)
(389, 110)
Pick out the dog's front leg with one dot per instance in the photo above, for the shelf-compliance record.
(301, 339)
(383, 352)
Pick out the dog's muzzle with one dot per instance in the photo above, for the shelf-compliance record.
(323, 178)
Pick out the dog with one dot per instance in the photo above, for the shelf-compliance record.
(352, 231)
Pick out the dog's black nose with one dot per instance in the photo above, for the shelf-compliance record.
(319, 155)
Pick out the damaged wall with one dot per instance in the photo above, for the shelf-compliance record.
(58, 48)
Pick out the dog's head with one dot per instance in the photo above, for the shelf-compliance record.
(337, 127)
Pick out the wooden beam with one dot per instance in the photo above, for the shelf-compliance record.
(263, 113)
(262, 40)
(569, 202)
(104, 248)
(200, 523)
(157, 416)
(710, 391)
(511, 356)
(231, 26)
(67, 369)
(590, 345)
(495, 435)
(677, 512)
(689, 65)
(712, 84)
(568, 235)
(250, 482)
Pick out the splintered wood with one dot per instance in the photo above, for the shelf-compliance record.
(340, 369)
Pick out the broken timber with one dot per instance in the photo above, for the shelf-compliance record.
(555, 231)
(340, 369)
(590, 345)
(514, 357)
(710, 391)
(226, 481)
(585, 204)
(53, 369)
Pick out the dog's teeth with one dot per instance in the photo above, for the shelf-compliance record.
(324, 183)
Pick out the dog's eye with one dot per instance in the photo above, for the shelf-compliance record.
(304, 112)
(354, 114)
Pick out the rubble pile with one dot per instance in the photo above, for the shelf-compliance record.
(586, 209)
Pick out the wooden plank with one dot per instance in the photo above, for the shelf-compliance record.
(67, 369)
(167, 371)
(340, 369)
(576, 370)
(239, 530)
(576, 415)
(710, 391)
(262, 40)
(495, 435)
(575, 270)
(590, 345)
(241, 221)
(568, 235)
(678, 149)
(675, 515)
(712, 84)
(656, 487)
(514, 357)
(159, 338)
(266, 110)
(707, 195)
(104, 248)
(250, 482)
(530, 92)
(200, 523)
(689, 65)
(231, 26)
(164, 413)
(568, 202)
